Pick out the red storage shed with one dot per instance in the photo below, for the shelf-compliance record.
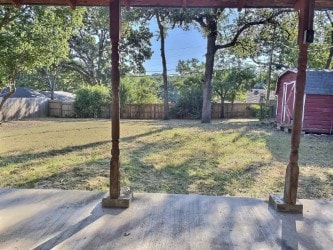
(318, 100)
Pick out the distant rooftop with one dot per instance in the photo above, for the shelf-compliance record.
(60, 96)
(22, 92)
(253, 96)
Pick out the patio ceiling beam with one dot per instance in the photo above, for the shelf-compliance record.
(17, 3)
(184, 5)
(72, 4)
(319, 4)
(127, 4)
(241, 4)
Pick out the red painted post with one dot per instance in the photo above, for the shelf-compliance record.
(114, 11)
(306, 14)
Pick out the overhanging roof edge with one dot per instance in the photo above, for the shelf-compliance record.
(320, 4)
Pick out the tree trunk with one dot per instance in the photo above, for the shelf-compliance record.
(222, 108)
(53, 79)
(270, 67)
(164, 66)
(207, 83)
(330, 56)
(6, 97)
(52, 91)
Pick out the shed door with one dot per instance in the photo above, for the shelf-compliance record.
(288, 101)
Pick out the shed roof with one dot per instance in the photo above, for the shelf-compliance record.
(318, 82)
(60, 96)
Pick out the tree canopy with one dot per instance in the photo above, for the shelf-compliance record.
(32, 37)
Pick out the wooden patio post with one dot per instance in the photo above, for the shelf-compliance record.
(115, 199)
(115, 81)
(289, 202)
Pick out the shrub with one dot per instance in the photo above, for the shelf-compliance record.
(189, 103)
(260, 111)
(89, 101)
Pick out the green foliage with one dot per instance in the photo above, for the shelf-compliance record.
(261, 111)
(90, 99)
(90, 48)
(189, 85)
(139, 90)
(33, 37)
(189, 102)
(232, 82)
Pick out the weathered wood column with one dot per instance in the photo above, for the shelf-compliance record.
(289, 203)
(115, 199)
(115, 81)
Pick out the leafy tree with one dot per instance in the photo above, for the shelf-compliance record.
(90, 47)
(229, 83)
(222, 28)
(279, 41)
(321, 51)
(165, 19)
(329, 15)
(139, 90)
(31, 38)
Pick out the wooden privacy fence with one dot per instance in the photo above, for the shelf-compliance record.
(150, 111)
(61, 109)
(236, 110)
(142, 111)
(19, 108)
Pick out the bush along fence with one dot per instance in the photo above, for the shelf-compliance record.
(155, 111)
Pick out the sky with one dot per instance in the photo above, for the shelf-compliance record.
(180, 45)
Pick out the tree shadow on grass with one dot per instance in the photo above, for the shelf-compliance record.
(21, 158)
(315, 151)
(216, 125)
(152, 132)
(314, 187)
(191, 175)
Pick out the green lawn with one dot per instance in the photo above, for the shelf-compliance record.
(233, 157)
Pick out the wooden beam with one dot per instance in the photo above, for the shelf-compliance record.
(17, 3)
(305, 23)
(319, 4)
(127, 4)
(115, 81)
(184, 5)
(241, 4)
(297, 5)
(72, 4)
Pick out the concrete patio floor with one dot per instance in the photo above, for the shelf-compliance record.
(45, 219)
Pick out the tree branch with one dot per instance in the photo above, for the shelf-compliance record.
(201, 22)
(246, 26)
(9, 94)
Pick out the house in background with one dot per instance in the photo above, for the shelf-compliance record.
(318, 100)
(254, 95)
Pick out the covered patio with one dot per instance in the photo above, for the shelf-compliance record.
(286, 202)
(43, 219)
(47, 219)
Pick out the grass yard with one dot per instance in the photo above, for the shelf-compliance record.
(233, 157)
